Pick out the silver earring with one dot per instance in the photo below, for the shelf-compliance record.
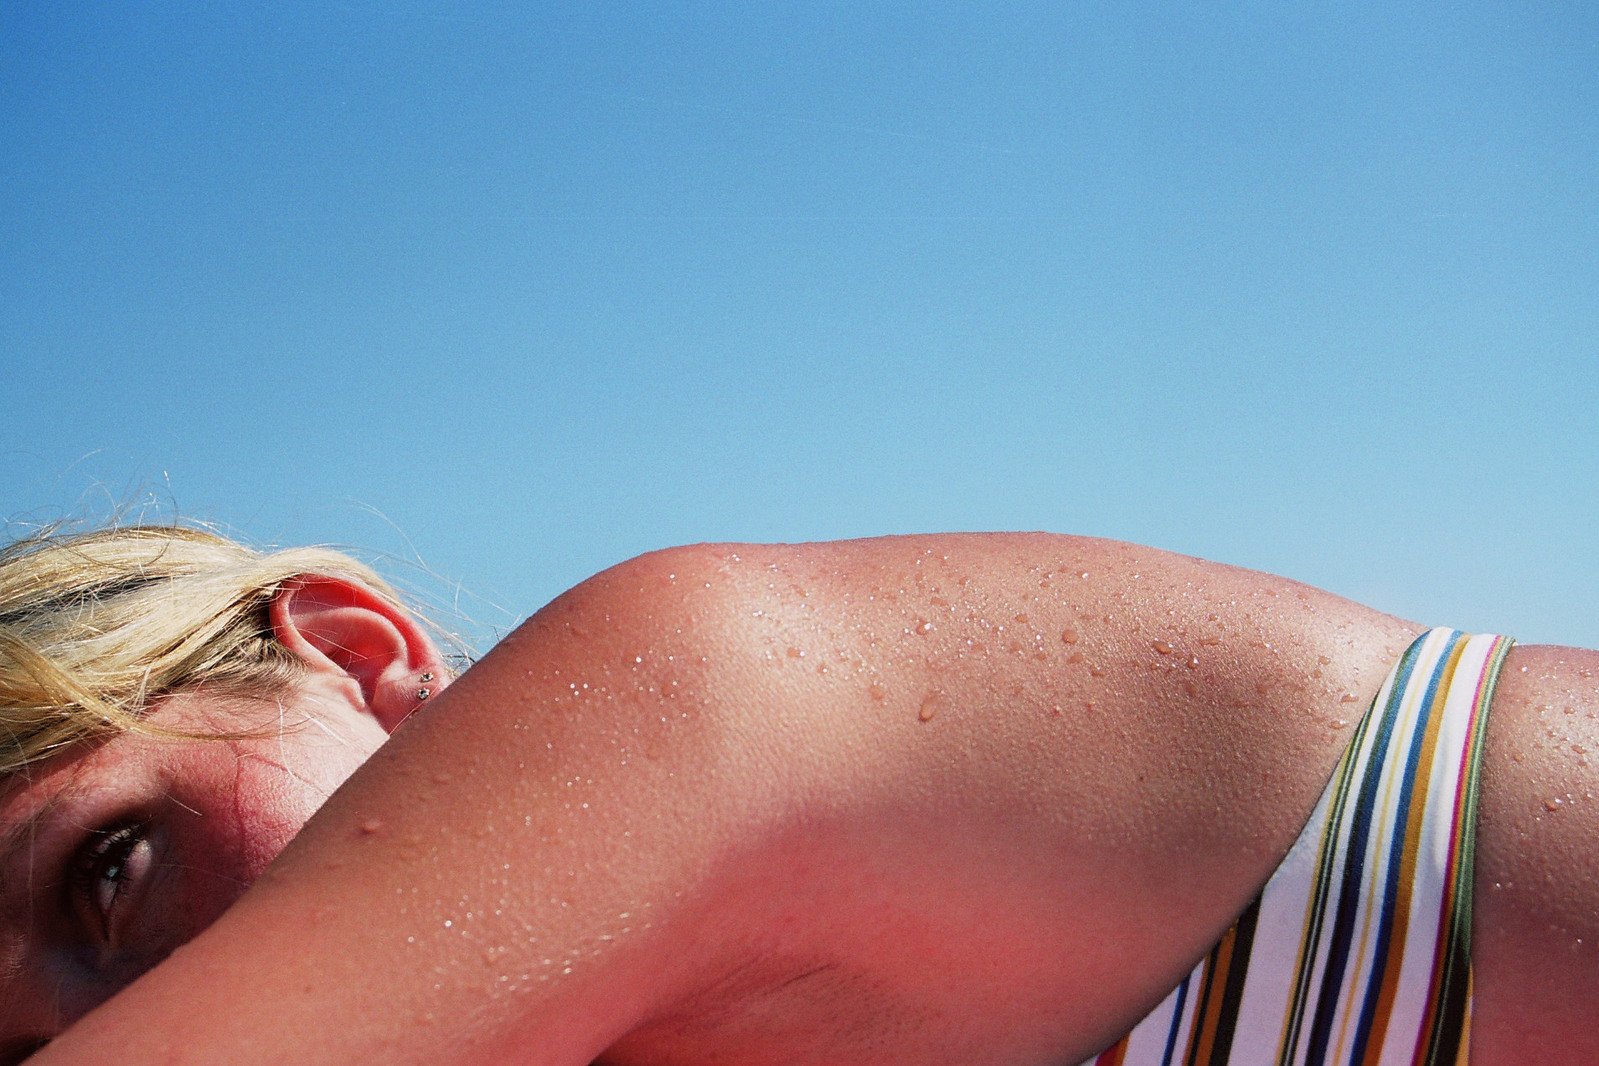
(424, 692)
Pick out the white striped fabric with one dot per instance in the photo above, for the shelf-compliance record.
(1358, 949)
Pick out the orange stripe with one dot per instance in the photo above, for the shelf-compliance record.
(1201, 1043)
(1113, 1055)
(1384, 758)
(1452, 877)
(1407, 862)
(1463, 1053)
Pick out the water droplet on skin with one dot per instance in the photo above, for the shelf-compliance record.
(923, 627)
(1096, 671)
(796, 653)
(1161, 647)
(1339, 723)
(1553, 805)
(1348, 697)
(1193, 662)
(1068, 636)
(875, 691)
(372, 826)
(1021, 618)
(928, 708)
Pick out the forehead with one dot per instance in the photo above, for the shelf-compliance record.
(117, 760)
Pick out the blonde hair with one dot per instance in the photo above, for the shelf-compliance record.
(96, 625)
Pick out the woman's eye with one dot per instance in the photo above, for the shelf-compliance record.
(106, 874)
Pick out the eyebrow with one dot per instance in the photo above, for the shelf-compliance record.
(24, 832)
(12, 897)
(20, 836)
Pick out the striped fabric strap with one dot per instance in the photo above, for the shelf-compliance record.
(1357, 952)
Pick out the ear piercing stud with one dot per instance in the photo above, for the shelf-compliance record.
(424, 692)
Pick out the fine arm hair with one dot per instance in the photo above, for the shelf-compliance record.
(96, 625)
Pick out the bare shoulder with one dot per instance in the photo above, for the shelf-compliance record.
(1086, 734)
(1142, 672)
(1536, 927)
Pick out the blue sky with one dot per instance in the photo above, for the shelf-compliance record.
(508, 293)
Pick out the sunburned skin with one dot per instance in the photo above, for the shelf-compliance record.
(124, 851)
(968, 799)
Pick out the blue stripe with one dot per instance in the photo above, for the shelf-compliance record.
(1339, 789)
(1176, 1022)
(1390, 896)
(1354, 872)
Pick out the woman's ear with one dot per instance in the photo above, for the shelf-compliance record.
(345, 628)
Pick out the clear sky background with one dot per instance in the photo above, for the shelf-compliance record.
(509, 292)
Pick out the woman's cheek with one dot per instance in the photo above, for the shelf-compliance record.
(249, 815)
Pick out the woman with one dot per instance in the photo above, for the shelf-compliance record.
(963, 799)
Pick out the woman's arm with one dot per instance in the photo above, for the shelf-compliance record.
(717, 791)
(1536, 946)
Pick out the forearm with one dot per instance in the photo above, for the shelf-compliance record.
(513, 867)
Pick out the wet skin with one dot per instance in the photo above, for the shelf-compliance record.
(910, 801)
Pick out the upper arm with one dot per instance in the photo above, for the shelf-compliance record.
(1536, 921)
(593, 822)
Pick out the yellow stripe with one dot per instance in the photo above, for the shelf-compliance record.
(1409, 701)
(1419, 810)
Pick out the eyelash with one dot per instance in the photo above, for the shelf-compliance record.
(103, 857)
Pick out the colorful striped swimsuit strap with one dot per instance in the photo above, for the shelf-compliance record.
(1358, 949)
